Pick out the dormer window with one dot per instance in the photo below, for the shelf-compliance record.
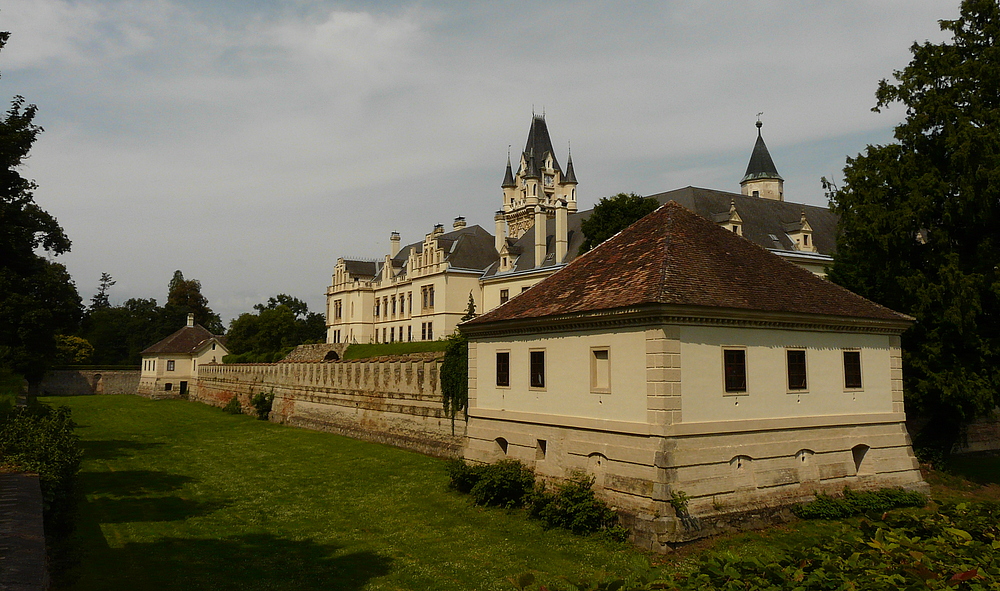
(800, 233)
(730, 220)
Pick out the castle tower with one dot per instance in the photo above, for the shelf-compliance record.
(762, 178)
(539, 181)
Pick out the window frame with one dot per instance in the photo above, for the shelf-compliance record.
(497, 367)
(861, 383)
(595, 387)
(532, 383)
(788, 370)
(734, 391)
(171, 365)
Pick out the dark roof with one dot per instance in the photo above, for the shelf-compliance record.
(762, 218)
(470, 247)
(570, 176)
(185, 341)
(508, 177)
(361, 268)
(761, 166)
(539, 143)
(524, 247)
(675, 257)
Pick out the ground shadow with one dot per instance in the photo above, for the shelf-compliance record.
(981, 468)
(131, 482)
(109, 510)
(248, 562)
(110, 449)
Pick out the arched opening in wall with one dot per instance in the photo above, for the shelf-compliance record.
(861, 462)
(741, 469)
(808, 470)
(331, 356)
(803, 457)
(98, 384)
(597, 464)
(501, 445)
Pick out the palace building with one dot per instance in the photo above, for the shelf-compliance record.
(420, 291)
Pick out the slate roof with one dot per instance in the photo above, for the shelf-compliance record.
(762, 218)
(675, 257)
(361, 268)
(539, 143)
(760, 166)
(470, 247)
(185, 341)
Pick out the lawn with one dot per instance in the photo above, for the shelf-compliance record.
(178, 495)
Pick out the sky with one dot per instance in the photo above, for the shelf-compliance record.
(250, 144)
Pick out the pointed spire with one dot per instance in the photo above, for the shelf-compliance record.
(761, 166)
(539, 142)
(508, 177)
(532, 172)
(570, 176)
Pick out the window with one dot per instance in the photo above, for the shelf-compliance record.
(384, 331)
(213, 346)
(393, 305)
(796, 369)
(525, 288)
(430, 331)
(392, 334)
(409, 333)
(735, 362)
(852, 369)
(377, 302)
(537, 369)
(756, 193)
(430, 296)
(423, 331)
(409, 301)
(338, 310)
(170, 365)
(427, 331)
(503, 369)
(805, 239)
(600, 370)
(504, 295)
(168, 387)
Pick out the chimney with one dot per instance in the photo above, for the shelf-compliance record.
(501, 234)
(540, 236)
(191, 319)
(394, 244)
(459, 223)
(562, 230)
(438, 229)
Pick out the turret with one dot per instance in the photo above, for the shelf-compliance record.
(762, 178)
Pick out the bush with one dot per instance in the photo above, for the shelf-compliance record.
(572, 506)
(463, 475)
(41, 440)
(857, 503)
(261, 403)
(504, 484)
(233, 407)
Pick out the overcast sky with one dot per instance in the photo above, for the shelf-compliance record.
(251, 143)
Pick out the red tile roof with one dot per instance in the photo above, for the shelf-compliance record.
(185, 341)
(675, 257)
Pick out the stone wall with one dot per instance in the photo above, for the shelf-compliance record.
(393, 400)
(84, 382)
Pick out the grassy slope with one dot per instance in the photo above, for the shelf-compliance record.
(376, 350)
(181, 496)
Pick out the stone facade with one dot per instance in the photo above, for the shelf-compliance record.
(394, 400)
(81, 382)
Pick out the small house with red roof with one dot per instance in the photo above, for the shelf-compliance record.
(169, 366)
(678, 360)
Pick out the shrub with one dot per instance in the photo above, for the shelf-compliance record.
(233, 407)
(572, 506)
(262, 404)
(463, 475)
(41, 440)
(503, 484)
(856, 503)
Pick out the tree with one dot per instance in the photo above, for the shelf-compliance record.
(920, 222)
(470, 309)
(37, 296)
(73, 350)
(100, 300)
(184, 297)
(277, 327)
(612, 215)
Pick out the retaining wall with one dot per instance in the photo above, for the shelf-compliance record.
(393, 400)
(84, 382)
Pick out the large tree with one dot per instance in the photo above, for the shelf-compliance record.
(277, 327)
(920, 221)
(184, 297)
(37, 296)
(612, 215)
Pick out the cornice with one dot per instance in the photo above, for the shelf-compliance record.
(653, 315)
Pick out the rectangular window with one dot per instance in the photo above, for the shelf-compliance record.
(525, 288)
(409, 302)
(384, 331)
(430, 296)
(423, 331)
(338, 310)
(376, 307)
(430, 331)
(392, 334)
(735, 361)
(537, 369)
(393, 305)
(504, 295)
(503, 369)
(170, 365)
(600, 370)
(852, 369)
(796, 369)
(409, 333)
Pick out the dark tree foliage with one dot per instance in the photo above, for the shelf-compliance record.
(119, 334)
(455, 377)
(100, 300)
(184, 297)
(37, 296)
(612, 215)
(277, 327)
(920, 222)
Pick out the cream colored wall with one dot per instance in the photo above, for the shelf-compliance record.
(491, 289)
(767, 189)
(567, 389)
(703, 390)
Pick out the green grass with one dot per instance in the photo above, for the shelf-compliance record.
(178, 495)
(376, 350)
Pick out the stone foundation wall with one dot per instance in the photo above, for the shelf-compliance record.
(393, 400)
(85, 382)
